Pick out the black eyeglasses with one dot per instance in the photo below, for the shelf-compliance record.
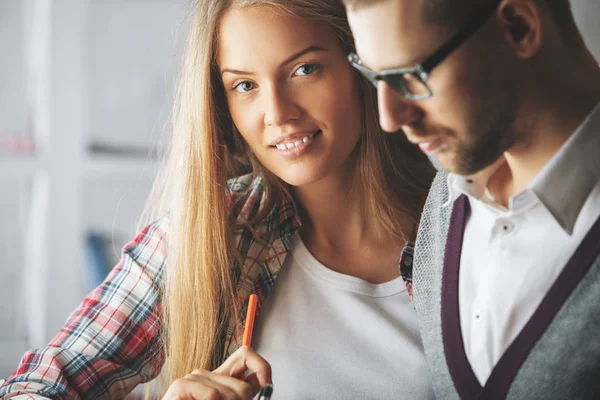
(412, 82)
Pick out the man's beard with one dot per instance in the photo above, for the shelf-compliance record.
(470, 159)
(492, 133)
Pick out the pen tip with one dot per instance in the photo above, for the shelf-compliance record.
(266, 391)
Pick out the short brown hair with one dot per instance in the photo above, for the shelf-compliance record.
(456, 12)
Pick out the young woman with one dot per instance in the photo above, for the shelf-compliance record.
(279, 182)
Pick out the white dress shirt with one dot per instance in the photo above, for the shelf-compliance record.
(512, 256)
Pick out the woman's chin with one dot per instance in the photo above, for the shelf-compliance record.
(300, 179)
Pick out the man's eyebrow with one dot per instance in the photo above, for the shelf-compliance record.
(288, 60)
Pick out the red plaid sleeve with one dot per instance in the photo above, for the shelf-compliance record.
(111, 342)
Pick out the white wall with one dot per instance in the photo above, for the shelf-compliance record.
(587, 15)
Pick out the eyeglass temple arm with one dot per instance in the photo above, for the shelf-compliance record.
(469, 29)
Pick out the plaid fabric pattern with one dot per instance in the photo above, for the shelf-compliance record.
(406, 262)
(111, 342)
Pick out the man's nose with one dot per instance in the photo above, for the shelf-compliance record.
(395, 110)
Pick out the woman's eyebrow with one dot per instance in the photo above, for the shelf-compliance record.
(288, 60)
(309, 49)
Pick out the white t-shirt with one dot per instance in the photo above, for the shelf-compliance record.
(334, 336)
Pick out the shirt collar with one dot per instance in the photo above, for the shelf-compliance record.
(472, 185)
(563, 185)
(283, 219)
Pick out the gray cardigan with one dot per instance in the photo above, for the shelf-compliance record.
(555, 356)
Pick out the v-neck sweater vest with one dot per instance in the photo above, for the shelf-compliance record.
(555, 356)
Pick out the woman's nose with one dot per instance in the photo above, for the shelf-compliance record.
(280, 107)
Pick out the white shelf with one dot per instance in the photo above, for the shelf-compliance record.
(13, 166)
(119, 166)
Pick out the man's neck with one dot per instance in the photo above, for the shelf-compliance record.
(541, 137)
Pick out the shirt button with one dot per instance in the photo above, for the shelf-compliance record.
(505, 227)
(478, 316)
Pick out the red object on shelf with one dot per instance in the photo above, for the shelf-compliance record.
(17, 142)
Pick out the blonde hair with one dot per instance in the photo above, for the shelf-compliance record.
(205, 151)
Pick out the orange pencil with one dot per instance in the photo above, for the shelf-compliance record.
(249, 320)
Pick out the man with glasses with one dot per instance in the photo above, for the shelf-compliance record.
(504, 95)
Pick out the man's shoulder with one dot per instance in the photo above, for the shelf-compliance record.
(435, 218)
(438, 194)
(440, 181)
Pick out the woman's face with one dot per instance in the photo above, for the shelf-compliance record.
(291, 93)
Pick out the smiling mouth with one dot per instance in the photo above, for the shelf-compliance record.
(290, 144)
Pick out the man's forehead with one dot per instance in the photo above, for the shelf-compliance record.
(391, 33)
(355, 5)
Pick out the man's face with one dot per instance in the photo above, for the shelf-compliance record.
(469, 122)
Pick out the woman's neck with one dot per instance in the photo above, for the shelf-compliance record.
(339, 231)
(333, 210)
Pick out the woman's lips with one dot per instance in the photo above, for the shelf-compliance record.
(298, 148)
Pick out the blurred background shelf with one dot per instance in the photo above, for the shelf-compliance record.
(86, 90)
(130, 58)
(13, 166)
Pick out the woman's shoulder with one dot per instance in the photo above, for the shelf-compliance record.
(243, 195)
(149, 247)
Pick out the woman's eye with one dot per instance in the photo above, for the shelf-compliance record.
(244, 87)
(306, 69)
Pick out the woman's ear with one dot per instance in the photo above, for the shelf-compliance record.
(523, 26)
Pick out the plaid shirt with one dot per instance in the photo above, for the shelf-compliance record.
(111, 342)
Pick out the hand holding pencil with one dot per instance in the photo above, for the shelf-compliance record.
(229, 380)
(267, 390)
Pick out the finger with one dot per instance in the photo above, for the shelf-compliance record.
(241, 389)
(205, 387)
(197, 388)
(211, 390)
(245, 358)
(224, 384)
(253, 381)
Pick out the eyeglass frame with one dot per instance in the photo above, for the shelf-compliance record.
(422, 70)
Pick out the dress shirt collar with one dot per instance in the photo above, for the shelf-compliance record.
(563, 185)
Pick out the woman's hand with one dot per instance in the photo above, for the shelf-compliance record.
(228, 382)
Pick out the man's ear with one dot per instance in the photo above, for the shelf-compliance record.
(522, 23)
